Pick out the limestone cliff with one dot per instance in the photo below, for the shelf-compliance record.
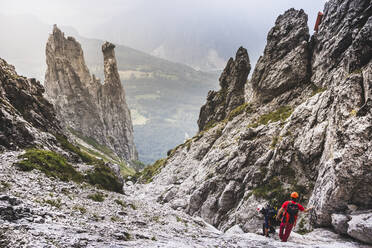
(306, 126)
(231, 95)
(285, 62)
(82, 103)
(27, 119)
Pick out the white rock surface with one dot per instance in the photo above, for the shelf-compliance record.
(81, 222)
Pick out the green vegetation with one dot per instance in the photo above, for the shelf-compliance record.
(147, 174)
(156, 219)
(245, 107)
(302, 230)
(134, 207)
(91, 141)
(121, 203)
(273, 189)
(90, 156)
(4, 186)
(210, 124)
(281, 114)
(105, 178)
(50, 163)
(114, 219)
(54, 203)
(82, 210)
(138, 165)
(70, 147)
(55, 165)
(317, 89)
(275, 141)
(98, 197)
(288, 172)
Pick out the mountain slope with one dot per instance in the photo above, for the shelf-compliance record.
(306, 130)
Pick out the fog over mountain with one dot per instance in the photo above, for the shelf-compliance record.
(202, 34)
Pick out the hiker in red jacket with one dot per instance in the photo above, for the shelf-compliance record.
(290, 209)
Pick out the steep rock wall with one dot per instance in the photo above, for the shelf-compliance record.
(27, 119)
(84, 104)
(231, 95)
(312, 136)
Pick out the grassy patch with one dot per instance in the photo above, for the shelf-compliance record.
(317, 89)
(138, 165)
(275, 141)
(54, 165)
(273, 189)
(70, 147)
(94, 143)
(147, 174)
(121, 203)
(54, 203)
(114, 219)
(210, 124)
(281, 114)
(81, 209)
(4, 186)
(105, 178)
(89, 156)
(245, 107)
(50, 163)
(98, 197)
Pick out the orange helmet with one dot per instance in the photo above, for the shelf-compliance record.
(294, 195)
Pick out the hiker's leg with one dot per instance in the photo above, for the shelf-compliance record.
(266, 226)
(287, 232)
(282, 225)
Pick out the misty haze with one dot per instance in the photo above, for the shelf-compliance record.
(186, 123)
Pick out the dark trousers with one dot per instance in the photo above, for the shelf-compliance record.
(288, 228)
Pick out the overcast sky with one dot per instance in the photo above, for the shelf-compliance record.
(84, 15)
(193, 32)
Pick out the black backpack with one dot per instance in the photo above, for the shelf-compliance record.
(292, 210)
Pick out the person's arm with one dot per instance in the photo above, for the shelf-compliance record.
(301, 208)
(279, 213)
(308, 209)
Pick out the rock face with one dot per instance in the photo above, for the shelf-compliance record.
(26, 117)
(39, 211)
(231, 95)
(285, 62)
(84, 104)
(358, 225)
(308, 129)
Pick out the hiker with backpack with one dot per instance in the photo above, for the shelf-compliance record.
(290, 210)
(269, 213)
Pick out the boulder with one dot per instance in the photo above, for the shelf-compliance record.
(339, 223)
(360, 227)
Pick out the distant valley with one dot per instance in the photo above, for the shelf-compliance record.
(164, 97)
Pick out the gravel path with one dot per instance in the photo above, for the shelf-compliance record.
(37, 211)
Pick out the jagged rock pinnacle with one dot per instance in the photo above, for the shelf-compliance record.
(82, 103)
(285, 62)
(231, 95)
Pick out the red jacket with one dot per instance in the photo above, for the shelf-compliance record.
(286, 215)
